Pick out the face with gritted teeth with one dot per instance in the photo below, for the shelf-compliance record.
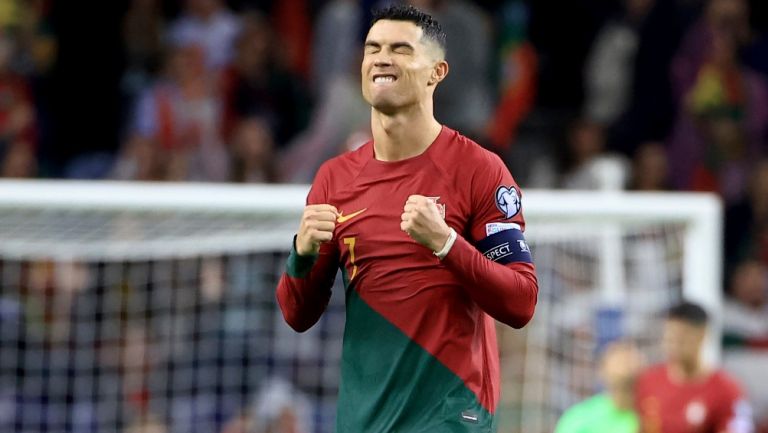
(400, 67)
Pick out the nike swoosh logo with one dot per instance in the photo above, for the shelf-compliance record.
(344, 218)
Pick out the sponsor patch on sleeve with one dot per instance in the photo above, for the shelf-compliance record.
(506, 246)
(493, 228)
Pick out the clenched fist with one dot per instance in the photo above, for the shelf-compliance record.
(422, 221)
(317, 224)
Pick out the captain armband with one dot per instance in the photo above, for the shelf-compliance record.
(506, 246)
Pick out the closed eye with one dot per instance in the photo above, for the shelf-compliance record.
(372, 47)
(402, 48)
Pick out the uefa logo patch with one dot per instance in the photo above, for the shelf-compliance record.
(508, 201)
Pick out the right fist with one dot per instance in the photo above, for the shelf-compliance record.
(317, 224)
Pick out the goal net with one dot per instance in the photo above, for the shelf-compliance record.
(129, 307)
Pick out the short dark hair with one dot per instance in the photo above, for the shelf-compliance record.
(425, 21)
(688, 312)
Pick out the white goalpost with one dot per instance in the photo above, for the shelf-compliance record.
(125, 305)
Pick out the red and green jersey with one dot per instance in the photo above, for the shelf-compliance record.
(712, 404)
(419, 351)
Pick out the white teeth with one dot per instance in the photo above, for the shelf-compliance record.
(384, 79)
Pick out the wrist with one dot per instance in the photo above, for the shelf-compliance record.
(446, 248)
(441, 240)
(297, 265)
(299, 249)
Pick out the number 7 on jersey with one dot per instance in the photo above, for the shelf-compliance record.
(350, 242)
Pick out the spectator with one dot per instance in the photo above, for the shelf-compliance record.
(279, 408)
(253, 153)
(44, 329)
(613, 410)
(209, 24)
(11, 337)
(214, 359)
(650, 111)
(33, 31)
(137, 160)
(294, 28)
(19, 162)
(142, 35)
(17, 118)
(650, 168)
(518, 70)
(610, 64)
(464, 98)
(340, 122)
(37, 44)
(257, 84)
(584, 163)
(182, 114)
(148, 425)
(142, 40)
(745, 316)
(138, 356)
(723, 118)
(343, 114)
(336, 47)
(746, 222)
(730, 17)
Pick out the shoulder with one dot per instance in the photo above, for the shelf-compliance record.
(730, 401)
(724, 382)
(653, 374)
(462, 155)
(341, 169)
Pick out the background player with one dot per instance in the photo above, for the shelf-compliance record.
(684, 395)
(427, 228)
(612, 411)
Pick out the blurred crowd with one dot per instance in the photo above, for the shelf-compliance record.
(643, 95)
(648, 95)
(169, 346)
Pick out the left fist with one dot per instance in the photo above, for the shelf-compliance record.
(422, 221)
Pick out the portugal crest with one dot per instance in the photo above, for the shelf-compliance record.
(440, 206)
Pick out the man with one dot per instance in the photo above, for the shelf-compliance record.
(426, 227)
(613, 410)
(684, 395)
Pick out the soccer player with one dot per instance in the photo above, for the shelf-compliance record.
(427, 229)
(612, 411)
(684, 395)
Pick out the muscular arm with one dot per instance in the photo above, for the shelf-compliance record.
(495, 265)
(501, 281)
(305, 287)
